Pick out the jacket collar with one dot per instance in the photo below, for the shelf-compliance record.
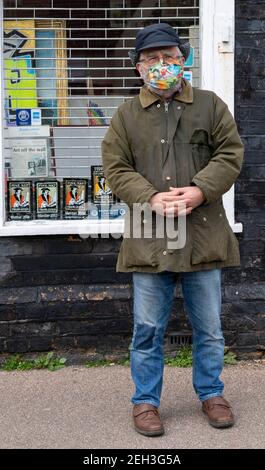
(147, 97)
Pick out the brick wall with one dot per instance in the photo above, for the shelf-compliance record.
(245, 286)
(63, 292)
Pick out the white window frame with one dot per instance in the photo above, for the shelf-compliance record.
(217, 20)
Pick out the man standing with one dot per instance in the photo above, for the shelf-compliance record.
(170, 147)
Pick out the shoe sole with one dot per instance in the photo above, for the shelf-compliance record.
(229, 424)
(215, 424)
(150, 433)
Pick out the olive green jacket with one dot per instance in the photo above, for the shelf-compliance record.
(150, 146)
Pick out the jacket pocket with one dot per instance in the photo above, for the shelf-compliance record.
(211, 234)
(201, 155)
(139, 252)
(201, 150)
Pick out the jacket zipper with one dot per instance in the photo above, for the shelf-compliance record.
(166, 111)
(166, 104)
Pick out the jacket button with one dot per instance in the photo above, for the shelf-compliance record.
(158, 105)
(221, 215)
(162, 141)
(179, 107)
(204, 219)
(164, 252)
(168, 178)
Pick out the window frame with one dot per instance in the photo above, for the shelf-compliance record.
(217, 20)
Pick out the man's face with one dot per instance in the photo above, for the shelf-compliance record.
(74, 190)
(166, 55)
(162, 69)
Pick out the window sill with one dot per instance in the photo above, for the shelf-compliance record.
(84, 228)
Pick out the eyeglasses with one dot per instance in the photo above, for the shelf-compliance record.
(167, 58)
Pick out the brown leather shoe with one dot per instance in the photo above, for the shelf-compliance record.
(147, 420)
(219, 412)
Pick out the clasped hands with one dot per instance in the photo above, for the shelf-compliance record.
(177, 201)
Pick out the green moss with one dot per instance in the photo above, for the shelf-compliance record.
(16, 362)
(183, 358)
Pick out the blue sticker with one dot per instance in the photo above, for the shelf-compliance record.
(188, 76)
(23, 117)
(190, 60)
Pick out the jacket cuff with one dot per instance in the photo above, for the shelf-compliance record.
(203, 190)
(147, 196)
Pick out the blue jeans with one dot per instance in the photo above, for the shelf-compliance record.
(153, 296)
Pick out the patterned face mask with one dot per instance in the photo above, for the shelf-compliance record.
(164, 76)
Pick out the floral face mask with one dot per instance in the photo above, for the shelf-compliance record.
(164, 76)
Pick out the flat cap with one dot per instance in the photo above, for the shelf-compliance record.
(155, 36)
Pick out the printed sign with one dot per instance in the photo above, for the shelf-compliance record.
(75, 198)
(20, 74)
(28, 131)
(101, 192)
(29, 158)
(23, 117)
(36, 117)
(28, 117)
(19, 200)
(47, 199)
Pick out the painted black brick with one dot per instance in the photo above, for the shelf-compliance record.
(62, 292)
(244, 306)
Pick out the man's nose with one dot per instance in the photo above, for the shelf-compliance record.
(160, 56)
(163, 60)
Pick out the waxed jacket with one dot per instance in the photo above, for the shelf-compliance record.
(152, 145)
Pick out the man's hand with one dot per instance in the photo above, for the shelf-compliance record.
(166, 204)
(191, 195)
(177, 201)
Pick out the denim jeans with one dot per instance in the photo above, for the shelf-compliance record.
(153, 296)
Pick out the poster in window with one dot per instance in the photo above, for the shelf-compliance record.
(19, 197)
(51, 70)
(47, 199)
(29, 158)
(20, 73)
(101, 192)
(75, 198)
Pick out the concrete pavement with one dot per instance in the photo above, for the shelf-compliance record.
(89, 408)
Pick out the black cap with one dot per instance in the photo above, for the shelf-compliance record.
(157, 35)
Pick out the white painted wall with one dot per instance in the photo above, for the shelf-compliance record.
(217, 41)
